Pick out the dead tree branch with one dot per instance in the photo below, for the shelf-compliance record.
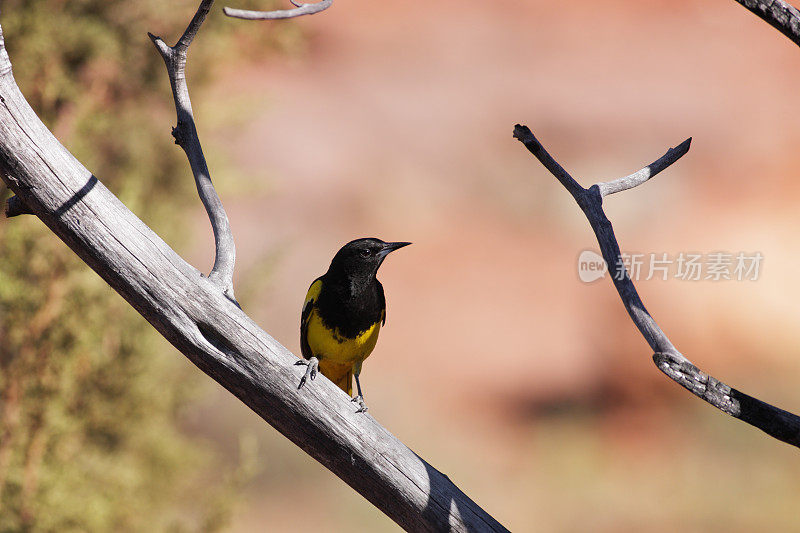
(301, 9)
(16, 207)
(186, 137)
(780, 15)
(207, 326)
(776, 422)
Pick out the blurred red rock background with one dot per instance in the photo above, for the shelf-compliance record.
(532, 390)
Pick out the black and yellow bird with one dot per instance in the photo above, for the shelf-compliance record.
(343, 314)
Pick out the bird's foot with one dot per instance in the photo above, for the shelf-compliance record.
(312, 366)
(362, 407)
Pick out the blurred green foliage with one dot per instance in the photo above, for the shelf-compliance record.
(90, 395)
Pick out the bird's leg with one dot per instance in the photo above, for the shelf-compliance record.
(312, 365)
(362, 407)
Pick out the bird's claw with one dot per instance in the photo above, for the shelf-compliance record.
(362, 407)
(312, 365)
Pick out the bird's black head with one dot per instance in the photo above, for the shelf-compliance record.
(360, 259)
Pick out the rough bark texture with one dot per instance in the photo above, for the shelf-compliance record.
(780, 15)
(196, 316)
(776, 422)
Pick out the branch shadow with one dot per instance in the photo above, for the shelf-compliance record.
(434, 512)
(77, 197)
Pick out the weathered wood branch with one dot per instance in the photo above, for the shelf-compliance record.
(16, 207)
(779, 14)
(186, 137)
(776, 422)
(299, 10)
(192, 312)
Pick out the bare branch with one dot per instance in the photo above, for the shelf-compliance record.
(213, 332)
(590, 202)
(641, 176)
(776, 422)
(778, 14)
(194, 26)
(16, 207)
(186, 137)
(301, 9)
(525, 135)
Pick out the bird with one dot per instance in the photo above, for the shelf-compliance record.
(343, 313)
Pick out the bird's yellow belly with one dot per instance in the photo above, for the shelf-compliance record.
(328, 344)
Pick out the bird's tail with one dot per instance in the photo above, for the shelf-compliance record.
(341, 375)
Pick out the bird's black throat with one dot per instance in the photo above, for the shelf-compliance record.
(350, 302)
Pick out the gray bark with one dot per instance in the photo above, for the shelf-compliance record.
(195, 315)
(780, 15)
(186, 137)
(299, 10)
(776, 422)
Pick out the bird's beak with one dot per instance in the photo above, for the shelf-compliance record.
(391, 247)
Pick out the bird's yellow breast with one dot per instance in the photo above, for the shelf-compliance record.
(327, 343)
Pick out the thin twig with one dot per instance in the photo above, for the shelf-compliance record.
(637, 178)
(780, 15)
(186, 137)
(301, 9)
(16, 207)
(776, 422)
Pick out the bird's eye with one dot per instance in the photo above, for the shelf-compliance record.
(366, 252)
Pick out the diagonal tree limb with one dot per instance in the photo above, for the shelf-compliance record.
(196, 317)
(779, 14)
(776, 422)
(186, 137)
(786, 19)
(300, 9)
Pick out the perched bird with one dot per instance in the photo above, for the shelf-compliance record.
(343, 313)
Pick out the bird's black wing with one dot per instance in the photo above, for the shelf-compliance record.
(308, 305)
(382, 301)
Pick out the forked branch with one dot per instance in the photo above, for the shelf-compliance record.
(299, 10)
(186, 137)
(206, 325)
(780, 424)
